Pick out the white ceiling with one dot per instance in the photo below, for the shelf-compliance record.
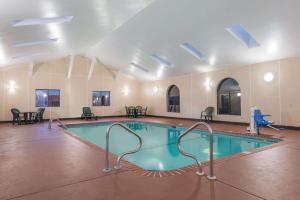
(119, 32)
(93, 20)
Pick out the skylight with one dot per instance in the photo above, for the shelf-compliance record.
(161, 60)
(139, 67)
(41, 21)
(192, 50)
(36, 42)
(20, 56)
(240, 33)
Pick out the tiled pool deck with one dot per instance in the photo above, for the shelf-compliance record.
(36, 163)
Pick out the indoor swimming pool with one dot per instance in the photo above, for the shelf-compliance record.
(159, 150)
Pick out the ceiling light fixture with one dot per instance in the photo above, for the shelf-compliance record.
(192, 50)
(33, 43)
(41, 21)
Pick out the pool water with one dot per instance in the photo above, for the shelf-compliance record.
(159, 150)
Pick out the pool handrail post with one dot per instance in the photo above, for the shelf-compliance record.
(58, 120)
(211, 150)
(106, 160)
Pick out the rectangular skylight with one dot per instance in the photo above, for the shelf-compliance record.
(139, 67)
(240, 33)
(162, 61)
(192, 50)
(20, 56)
(36, 42)
(41, 21)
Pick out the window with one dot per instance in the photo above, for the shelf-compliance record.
(173, 99)
(229, 97)
(101, 98)
(47, 98)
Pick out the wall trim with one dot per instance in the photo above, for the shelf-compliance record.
(168, 117)
(224, 122)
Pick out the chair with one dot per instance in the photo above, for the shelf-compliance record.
(127, 111)
(138, 110)
(260, 121)
(87, 113)
(132, 112)
(207, 114)
(17, 118)
(144, 111)
(39, 116)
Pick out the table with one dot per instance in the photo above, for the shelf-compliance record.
(29, 117)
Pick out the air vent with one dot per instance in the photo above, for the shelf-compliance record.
(240, 33)
(192, 50)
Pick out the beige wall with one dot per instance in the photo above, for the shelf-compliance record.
(280, 98)
(75, 92)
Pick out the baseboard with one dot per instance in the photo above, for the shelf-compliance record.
(223, 122)
(74, 118)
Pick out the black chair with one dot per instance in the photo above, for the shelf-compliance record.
(207, 114)
(144, 111)
(87, 113)
(138, 110)
(132, 112)
(39, 115)
(17, 116)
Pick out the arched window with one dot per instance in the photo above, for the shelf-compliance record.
(173, 99)
(229, 97)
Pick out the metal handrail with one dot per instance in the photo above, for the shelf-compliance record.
(58, 120)
(118, 165)
(211, 157)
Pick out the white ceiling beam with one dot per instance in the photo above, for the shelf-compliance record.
(92, 66)
(70, 68)
(30, 68)
(109, 70)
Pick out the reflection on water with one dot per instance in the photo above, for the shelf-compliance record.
(172, 136)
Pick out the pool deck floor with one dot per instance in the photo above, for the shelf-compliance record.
(37, 163)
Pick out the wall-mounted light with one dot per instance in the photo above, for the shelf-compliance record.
(126, 90)
(155, 89)
(269, 77)
(12, 86)
(239, 94)
(208, 84)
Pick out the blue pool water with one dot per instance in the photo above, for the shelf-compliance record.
(159, 150)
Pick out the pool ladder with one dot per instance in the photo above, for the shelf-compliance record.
(211, 150)
(58, 121)
(118, 163)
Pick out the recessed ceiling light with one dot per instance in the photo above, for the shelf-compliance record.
(20, 56)
(241, 34)
(41, 21)
(192, 50)
(161, 60)
(36, 42)
(134, 65)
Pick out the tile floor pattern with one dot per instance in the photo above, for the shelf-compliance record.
(36, 164)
